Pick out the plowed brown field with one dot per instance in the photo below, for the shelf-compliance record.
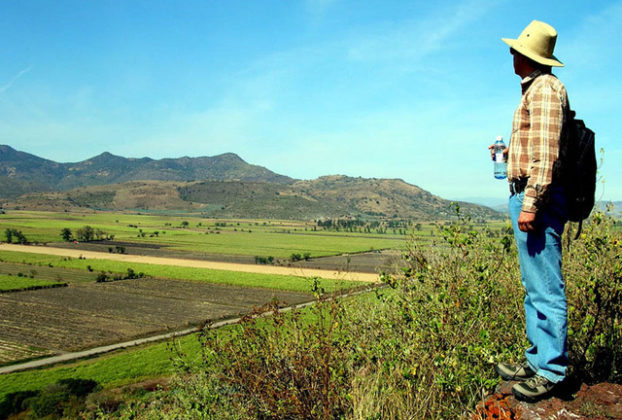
(93, 314)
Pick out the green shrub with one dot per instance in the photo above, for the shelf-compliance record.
(14, 402)
(78, 387)
(102, 277)
(593, 273)
(48, 400)
(283, 366)
(55, 398)
(426, 348)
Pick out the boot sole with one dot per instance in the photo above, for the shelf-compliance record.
(531, 400)
(507, 377)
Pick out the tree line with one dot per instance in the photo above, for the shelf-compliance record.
(85, 234)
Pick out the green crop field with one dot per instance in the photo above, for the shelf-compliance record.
(271, 281)
(12, 283)
(240, 237)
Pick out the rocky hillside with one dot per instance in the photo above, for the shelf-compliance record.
(22, 172)
(327, 197)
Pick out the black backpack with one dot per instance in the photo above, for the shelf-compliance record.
(576, 168)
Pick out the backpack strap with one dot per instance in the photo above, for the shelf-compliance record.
(579, 230)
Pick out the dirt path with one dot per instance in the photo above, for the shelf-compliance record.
(180, 262)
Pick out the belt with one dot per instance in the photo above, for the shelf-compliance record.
(517, 186)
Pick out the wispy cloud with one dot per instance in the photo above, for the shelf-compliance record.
(14, 79)
(417, 38)
(593, 44)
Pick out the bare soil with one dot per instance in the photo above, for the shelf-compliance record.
(87, 315)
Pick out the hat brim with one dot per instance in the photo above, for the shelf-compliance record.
(514, 43)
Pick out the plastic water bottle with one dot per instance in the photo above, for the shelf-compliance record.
(501, 165)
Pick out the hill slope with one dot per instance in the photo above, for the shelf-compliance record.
(327, 197)
(22, 172)
(219, 186)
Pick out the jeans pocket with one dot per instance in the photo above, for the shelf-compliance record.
(520, 197)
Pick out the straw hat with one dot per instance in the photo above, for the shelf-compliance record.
(537, 41)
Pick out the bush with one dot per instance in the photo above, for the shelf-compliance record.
(53, 399)
(426, 348)
(131, 274)
(14, 402)
(264, 260)
(593, 273)
(78, 387)
(102, 277)
(283, 366)
(103, 403)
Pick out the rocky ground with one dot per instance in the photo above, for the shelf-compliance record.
(579, 402)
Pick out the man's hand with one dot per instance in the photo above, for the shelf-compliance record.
(492, 152)
(526, 221)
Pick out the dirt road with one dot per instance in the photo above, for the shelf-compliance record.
(180, 262)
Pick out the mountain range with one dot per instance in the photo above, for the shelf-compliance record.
(217, 186)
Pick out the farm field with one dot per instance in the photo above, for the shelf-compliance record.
(292, 279)
(123, 367)
(113, 369)
(42, 272)
(263, 238)
(14, 283)
(89, 314)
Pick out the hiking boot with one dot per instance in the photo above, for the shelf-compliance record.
(534, 389)
(515, 372)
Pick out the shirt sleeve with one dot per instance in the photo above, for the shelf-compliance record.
(546, 118)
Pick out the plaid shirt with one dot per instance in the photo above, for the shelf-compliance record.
(536, 131)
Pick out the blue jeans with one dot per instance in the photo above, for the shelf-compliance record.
(540, 258)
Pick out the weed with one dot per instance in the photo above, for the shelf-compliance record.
(283, 366)
(593, 272)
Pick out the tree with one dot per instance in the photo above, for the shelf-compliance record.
(17, 234)
(85, 234)
(66, 234)
(21, 238)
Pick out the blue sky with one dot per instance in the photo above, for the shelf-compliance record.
(413, 89)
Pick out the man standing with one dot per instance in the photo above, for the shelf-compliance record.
(538, 211)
